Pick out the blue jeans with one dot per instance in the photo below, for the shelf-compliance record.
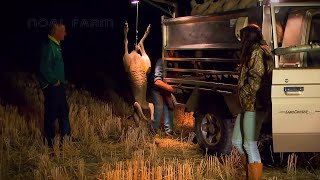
(56, 106)
(246, 133)
(161, 102)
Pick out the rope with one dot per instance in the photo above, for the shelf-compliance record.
(137, 18)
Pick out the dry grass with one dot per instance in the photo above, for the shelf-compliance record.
(184, 121)
(292, 165)
(210, 167)
(106, 149)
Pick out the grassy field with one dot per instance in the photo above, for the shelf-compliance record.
(110, 147)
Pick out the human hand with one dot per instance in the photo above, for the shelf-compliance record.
(57, 83)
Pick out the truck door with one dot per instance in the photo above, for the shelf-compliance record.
(296, 86)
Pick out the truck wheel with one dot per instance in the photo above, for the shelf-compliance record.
(214, 134)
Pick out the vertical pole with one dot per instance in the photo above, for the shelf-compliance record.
(137, 18)
(164, 45)
(274, 34)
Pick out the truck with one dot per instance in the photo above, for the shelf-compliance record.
(201, 57)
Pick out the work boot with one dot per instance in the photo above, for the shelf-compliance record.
(255, 171)
(244, 163)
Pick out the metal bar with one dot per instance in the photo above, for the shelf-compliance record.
(137, 19)
(159, 7)
(205, 18)
(274, 34)
(172, 4)
(297, 49)
(226, 60)
(164, 43)
(296, 4)
(206, 46)
(205, 89)
(215, 72)
(200, 83)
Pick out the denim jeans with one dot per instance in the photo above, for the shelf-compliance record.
(56, 106)
(162, 105)
(246, 133)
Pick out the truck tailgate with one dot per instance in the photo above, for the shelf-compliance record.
(296, 110)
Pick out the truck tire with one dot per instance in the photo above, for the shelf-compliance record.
(214, 134)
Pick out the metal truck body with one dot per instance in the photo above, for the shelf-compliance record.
(205, 64)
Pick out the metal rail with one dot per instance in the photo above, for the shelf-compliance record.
(200, 83)
(224, 60)
(212, 46)
(213, 72)
(297, 49)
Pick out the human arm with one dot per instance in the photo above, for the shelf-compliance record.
(255, 73)
(158, 77)
(165, 86)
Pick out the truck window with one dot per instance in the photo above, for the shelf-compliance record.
(313, 58)
(294, 29)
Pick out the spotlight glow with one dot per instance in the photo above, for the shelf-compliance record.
(135, 1)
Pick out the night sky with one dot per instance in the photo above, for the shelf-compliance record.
(93, 48)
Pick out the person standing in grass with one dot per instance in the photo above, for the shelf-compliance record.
(162, 100)
(52, 81)
(254, 90)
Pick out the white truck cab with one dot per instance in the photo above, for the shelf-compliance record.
(296, 79)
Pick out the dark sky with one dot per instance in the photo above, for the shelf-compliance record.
(94, 28)
(94, 44)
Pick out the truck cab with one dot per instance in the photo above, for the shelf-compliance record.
(296, 81)
(205, 67)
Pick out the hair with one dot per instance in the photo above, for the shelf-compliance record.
(250, 35)
(54, 26)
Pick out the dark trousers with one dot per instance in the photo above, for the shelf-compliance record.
(56, 106)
